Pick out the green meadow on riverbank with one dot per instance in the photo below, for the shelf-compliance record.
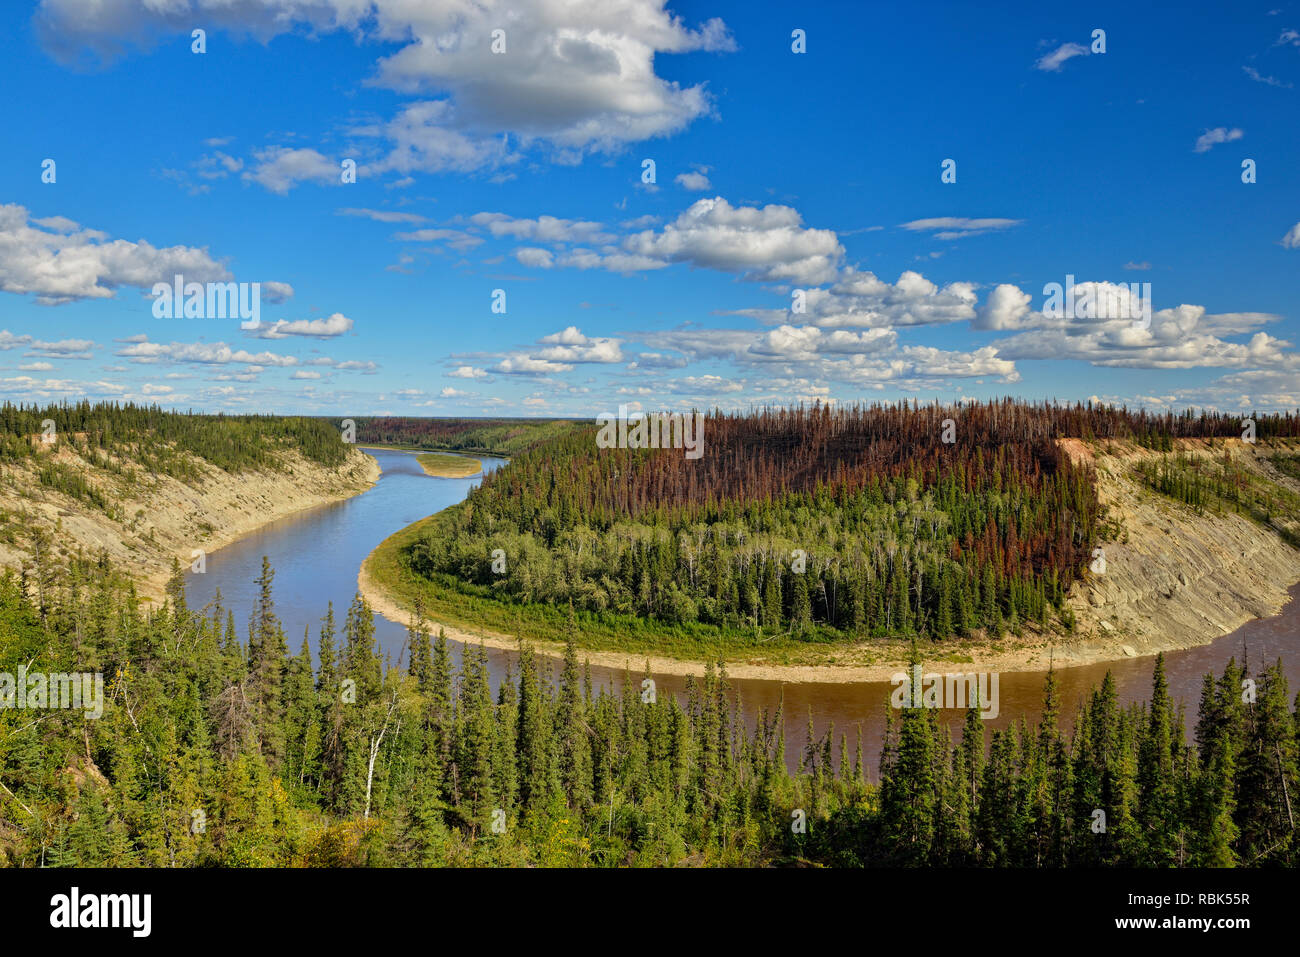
(441, 465)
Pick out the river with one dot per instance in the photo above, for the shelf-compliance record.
(316, 555)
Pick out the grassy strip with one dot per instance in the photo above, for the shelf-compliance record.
(478, 610)
(440, 465)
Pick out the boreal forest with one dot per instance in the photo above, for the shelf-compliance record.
(811, 524)
(220, 747)
(225, 741)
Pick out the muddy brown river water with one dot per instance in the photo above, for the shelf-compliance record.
(316, 555)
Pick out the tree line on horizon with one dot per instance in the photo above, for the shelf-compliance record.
(161, 442)
(486, 436)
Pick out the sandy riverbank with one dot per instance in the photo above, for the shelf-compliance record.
(1030, 653)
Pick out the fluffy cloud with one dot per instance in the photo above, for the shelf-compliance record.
(203, 353)
(560, 353)
(802, 343)
(26, 388)
(695, 181)
(577, 77)
(1183, 337)
(534, 258)
(1248, 390)
(468, 372)
(860, 300)
(1005, 308)
(937, 363)
(280, 168)
(767, 243)
(336, 325)
(527, 365)
(581, 75)
(610, 259)
(40, 348)
(421, 138)
(869, 359)
(697, 343)
(139, 350)
(59, 261)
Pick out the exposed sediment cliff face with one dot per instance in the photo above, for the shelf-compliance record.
(1176, 578)
(154, 518)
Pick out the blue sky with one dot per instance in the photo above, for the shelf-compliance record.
(776, 173)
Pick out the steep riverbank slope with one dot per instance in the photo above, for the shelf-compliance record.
(143, 520)
(1176, 576)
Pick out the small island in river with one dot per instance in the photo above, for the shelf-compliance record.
(441, 465)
